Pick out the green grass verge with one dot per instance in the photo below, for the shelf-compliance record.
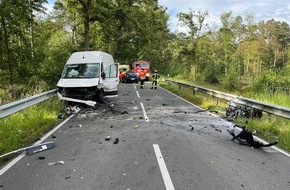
(23, 128)
(270, 127)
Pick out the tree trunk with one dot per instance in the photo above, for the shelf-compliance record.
(8, 51)
(31, 29)
(86, 9)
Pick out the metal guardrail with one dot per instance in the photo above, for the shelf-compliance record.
(13, 107)
(265, 107)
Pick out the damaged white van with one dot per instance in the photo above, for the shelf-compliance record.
(88, 77)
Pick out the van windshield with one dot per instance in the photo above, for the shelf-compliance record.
(82, 70)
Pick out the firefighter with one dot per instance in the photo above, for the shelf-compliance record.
(142, 77)
(155, 76)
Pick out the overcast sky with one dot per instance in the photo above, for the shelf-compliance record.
(262, 9)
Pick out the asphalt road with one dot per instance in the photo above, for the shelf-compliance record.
(156, 150)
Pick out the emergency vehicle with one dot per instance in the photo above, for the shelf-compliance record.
(138, 65)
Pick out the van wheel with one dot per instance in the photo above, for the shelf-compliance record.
(100, 96)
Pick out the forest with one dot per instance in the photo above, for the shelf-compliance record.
(35, 44)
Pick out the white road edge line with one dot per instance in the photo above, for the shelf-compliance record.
(164, 172)
(144, 112)
(15, 160)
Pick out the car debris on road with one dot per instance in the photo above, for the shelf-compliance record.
(56, 163)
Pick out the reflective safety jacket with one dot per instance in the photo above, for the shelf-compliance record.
(155, 76)
(142, 75)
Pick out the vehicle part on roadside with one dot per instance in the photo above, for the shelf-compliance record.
(41, 147)
(56, 163)
(235, 110)
(33, 149)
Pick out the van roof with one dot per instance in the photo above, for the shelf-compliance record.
(90, 57)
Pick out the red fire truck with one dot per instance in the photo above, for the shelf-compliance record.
(138, 65)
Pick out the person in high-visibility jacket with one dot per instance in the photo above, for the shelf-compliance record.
(155, 76)
(142, 77)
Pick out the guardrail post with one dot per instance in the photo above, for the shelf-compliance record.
(193, 91)
(179, 86)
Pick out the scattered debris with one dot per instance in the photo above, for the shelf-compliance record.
(136, 127)
(67, 177)
(124, 112)
(108, 138)
(41, 157)
(116, 141)
(191, 128)
(72, 109)
(80, 125)
(218, 130)
(53, 136)
(111, 126)
(201, 129)
(180, 111)
(1, 186)
(164, 104)
(56, 163)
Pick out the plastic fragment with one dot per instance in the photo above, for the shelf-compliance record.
(56, 163)
(108, 138)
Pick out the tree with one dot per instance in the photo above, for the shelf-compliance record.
(195, 22)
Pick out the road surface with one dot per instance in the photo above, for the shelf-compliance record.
(156, 150)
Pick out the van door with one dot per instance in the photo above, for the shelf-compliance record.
(110, 80)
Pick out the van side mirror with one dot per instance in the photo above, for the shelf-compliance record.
(103, 75)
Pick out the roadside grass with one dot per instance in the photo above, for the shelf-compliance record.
(23, 128)
(270, 127)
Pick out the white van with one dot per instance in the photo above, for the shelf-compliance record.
(88, 77)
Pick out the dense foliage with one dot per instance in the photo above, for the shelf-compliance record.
(35, 43)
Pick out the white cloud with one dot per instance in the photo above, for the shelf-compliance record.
(262, 9)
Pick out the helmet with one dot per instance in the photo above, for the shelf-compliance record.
(155, 71)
